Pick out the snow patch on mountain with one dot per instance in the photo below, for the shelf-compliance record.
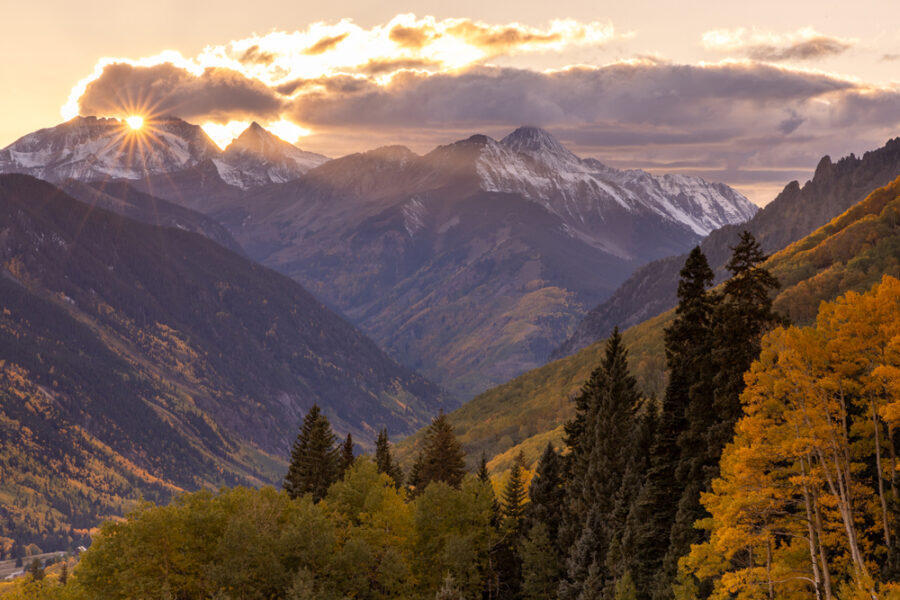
(531, 162)
(91, 148)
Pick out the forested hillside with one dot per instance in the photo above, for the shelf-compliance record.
(141, 360)
(780, 484)
(850, 253)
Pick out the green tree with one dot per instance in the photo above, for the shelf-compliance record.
(347, 458)
(540, 564)
(547, 494)
(443, 458)
(36, 569)
(601, 438)
(741, 318)
(385, 460)
(315, 462)
(514, 496)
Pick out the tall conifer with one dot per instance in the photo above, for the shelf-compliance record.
(384, 459)
(315, 462)
(443, 458)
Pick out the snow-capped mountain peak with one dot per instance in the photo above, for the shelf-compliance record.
(258, 157)
(92, 148)
(583, 192)
(534, 140)
(87, 148)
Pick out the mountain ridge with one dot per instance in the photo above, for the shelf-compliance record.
(794, 213)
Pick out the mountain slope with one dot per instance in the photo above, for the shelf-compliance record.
(852, 252)
(794, 213)
(88, 148)
(122, 198)
(164, 361)
(470, 263)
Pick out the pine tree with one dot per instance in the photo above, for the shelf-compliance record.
(482, 474)
(547, 494)
(442, 456)
(384, 460)
(315, 462)
(540, 564)
(414, 479)
(514, 495)
(742, 317)
(347, 457)
(601, 437)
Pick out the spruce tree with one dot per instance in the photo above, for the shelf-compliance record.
(482, 474)
(442, 456)
(315, 462)
(347, 458)
(414, 479)
(540, 564)
(743, 316)
(384, 460)
(601, 437)
(514, 495)
(546, 494)
(673, 453)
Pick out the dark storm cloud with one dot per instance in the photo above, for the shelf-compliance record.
(326, 44)
(808, 49)
(641, 93)
(216, 94)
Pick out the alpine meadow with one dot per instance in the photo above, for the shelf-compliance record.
(450, 301)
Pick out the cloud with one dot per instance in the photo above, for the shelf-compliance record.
(423, 82)
(326, 44)
(804, 44)
(890, 57)
(411, 37)
(215, 94)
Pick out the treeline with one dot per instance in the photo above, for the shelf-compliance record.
(767, 470)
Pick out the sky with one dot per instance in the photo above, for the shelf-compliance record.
(752, 94)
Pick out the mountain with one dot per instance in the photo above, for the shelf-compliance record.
(472, 262)
(793, 214)
(257, 157)
(91, 148)
(122, 198)
(850, 253)
(139, 360)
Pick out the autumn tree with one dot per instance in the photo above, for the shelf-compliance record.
(801, 507)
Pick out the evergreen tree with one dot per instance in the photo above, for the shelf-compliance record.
(672, 454)
(540, 564)
(601, 438)
(315, 462)
(514, 495)
(547, 494)
(743, 316)
(482, 474)
(384, 460)
(347, 458)
(442, 456)
(414, 479)
(36, 569)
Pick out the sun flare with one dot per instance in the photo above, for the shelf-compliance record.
(135, 122)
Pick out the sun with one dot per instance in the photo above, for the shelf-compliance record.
(135, 122)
